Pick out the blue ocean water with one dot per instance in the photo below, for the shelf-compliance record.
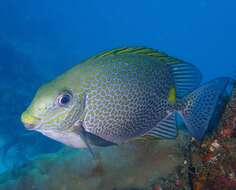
(41, 39)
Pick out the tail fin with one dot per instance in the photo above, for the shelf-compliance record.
(200, 105)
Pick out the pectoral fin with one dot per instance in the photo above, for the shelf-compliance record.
(81, 132)
(90, 139)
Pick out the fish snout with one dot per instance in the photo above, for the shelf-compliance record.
(29, 121)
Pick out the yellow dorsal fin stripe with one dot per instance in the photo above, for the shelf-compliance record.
(172, 95)
(140, 51)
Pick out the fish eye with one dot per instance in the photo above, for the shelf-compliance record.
(64, 98)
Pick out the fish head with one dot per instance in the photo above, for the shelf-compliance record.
(54, 108)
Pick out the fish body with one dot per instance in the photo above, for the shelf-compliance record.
(121, 95)
(126, 96)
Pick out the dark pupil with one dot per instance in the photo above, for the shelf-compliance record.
(65, 99)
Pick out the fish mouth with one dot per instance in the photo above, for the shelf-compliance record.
(30, 122)
(29, 126)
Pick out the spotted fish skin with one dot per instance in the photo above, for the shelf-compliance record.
(127, 96)
(121, 95)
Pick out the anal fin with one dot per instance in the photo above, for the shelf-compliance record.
(165, 129)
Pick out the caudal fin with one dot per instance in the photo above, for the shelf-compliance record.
(200, 105)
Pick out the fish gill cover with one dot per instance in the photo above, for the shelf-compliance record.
(41, 39)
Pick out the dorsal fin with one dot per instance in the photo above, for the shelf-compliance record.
(186, 76)
(140, 51)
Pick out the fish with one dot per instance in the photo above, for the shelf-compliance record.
(122, 95)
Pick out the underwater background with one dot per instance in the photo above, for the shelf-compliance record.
(41, 39)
